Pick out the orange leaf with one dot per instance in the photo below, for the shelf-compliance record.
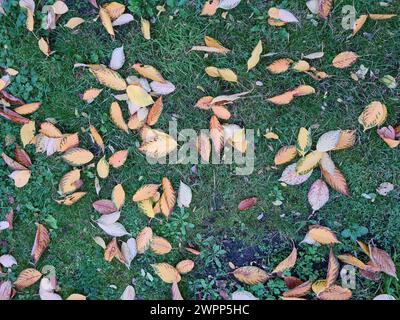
(118, 159)
(155, 112)
(41, 243)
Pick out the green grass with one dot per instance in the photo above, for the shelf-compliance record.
(220, 231)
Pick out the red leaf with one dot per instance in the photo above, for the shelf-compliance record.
(247, 203)
(104, 206)
(10, 98)
(13, 116)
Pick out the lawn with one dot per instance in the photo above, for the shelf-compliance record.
(261, 236)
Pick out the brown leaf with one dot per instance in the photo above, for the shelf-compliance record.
(333, 269)
(247, 203)
(382, 259)
(299, 291)
(104, 206)
(335, 293)
(292, 282)
(22, 157)
(41, 243)
(27, 278)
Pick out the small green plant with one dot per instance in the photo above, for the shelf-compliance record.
(143, 8)
(354, 232)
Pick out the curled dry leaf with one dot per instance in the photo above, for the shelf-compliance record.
(247, 203)
(288, 263)
(299, 291)
(333, 269)
(166, 272)
(251, 275)
(41, 242)
(175, 293)
(255, 56)
(318, 195)
(388, 134)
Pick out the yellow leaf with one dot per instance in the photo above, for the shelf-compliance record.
(77, 156)
(251, 275)
(271, 135)
(301, 66)
(117, 117)
(106, 21)
(351, 260)
(373, 115)
(103, 168)
(346, 140)
(318, 286)
(212, 43)
(27, 132)
(308, 162)
(288, 263)
(74, 22)
(145, 27)
(166, 272)
(50, 130)
(304, 141)
(382, 16)
(114, 9)
(303, 90)
(145, 192)
(44, 47)
(139, 96)
(285, 155)
(148, 72)
(27, 108)
(358, 24)
(159, 147)
(69, 182)
(118, 196)
(344, 60)
(322, 235)
(147, 208)
(60, 7)
(255, 56)
(160, 245)
(91, 94)
(71, 199)
(20, 177)
(228, 75)
(185, 266)
(108, 77)
(68, 141)
(97, 137)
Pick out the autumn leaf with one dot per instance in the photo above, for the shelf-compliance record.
(114, 9)
(143, 240)
(279, 66)
(27, 108)
(373, 115)
(347, 139)
(103, 168)
(117, 117)
(27, 278)
(255, 56)
(351, 260)
(72, 198)
(70, 182)
(216, 133)
(333, 269)
(344, 60)
(160, 245)
(27, 133)
(321, 235)
(325, 7)
(41, 243)
(288, 263)
(335, 292)
(318, 195)
(74, 22)
(155, 112)
(328, 141)
(77, 156)
(166, 272)
(146, 206)
(118, 196)
(145, 27)
(139, 96)
(118, 158)
(290, 176)
(336, 180)
(91, 94)
(104, 206)
(185, 266)
(308, 162)
(304, 141)
(106, 21)
(145, 192)
(247, 203)
(299, 291)
(383, 261)
(175, 293)
(251, 275)
(184, 195)
(358, 24)
(285, 155)
(97, 138)
(20, 177)
(168, 198)
(210, 7)
(108, 77)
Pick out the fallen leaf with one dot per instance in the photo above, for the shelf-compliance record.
(344, 60)
(160, 245)
(185, 266)
(290, 176)
(41, 243)
(27, 278)
(285, 155)
(118, 158)
(145, 27)
(74, 22)
(247, 203)
(318, 195)
(77, 156)
(184, 195)
(287, 263)
(166, 272)
(251, 275)
(143, 240)
(255, 56)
